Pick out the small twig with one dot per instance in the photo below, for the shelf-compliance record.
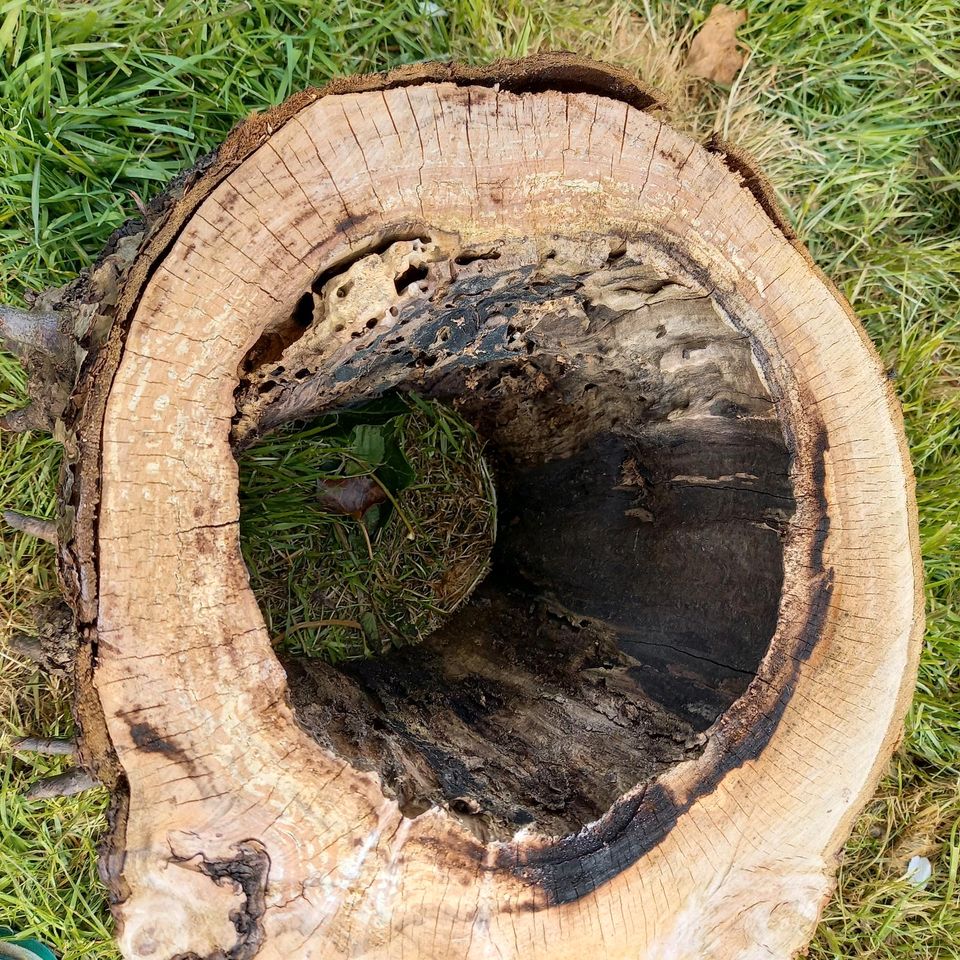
(75, 780)
(366, 537)
(34, 526)
(49, 746)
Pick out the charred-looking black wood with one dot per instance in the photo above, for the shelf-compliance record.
(249, 872)
(644, 485)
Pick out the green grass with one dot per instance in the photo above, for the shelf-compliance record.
(854, 108)
(344, 587)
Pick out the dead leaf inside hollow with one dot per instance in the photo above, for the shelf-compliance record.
(351, 496)
(715, 54)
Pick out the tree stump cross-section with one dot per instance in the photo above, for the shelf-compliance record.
(708, 496)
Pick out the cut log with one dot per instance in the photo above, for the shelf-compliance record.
(648, 733)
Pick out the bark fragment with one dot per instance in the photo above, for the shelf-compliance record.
(43, 341)
(54, 645)
(74, 781)
(30, 417)
(33, 526)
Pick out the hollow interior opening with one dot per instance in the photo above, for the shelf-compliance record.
(643, 489)
(363, 529)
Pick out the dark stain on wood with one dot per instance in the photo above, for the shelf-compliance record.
(148, 739)
(250, 871)
(572, 867)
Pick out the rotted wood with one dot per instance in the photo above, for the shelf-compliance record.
(596, 486)
(708, 565)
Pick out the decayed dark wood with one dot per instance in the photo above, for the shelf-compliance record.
(674, 400)
(626, 524)
(514, 714)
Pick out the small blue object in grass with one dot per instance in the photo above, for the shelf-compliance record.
(22, 949)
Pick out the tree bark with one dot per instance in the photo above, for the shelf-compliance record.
(711, 531)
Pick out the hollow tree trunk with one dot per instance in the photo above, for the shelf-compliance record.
(650, 731)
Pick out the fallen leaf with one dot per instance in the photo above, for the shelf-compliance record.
(715, 53)
(368, 443)
(352, 496)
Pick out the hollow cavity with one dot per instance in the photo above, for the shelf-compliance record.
(644, 487)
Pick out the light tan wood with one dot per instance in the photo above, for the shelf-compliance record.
(194, 698)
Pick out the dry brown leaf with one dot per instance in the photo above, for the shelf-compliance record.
(352, 496)
(715, 53)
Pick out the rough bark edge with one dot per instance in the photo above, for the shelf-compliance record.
(740, 162)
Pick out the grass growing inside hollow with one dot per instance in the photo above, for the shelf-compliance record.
(340, 586)
(854, 110)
